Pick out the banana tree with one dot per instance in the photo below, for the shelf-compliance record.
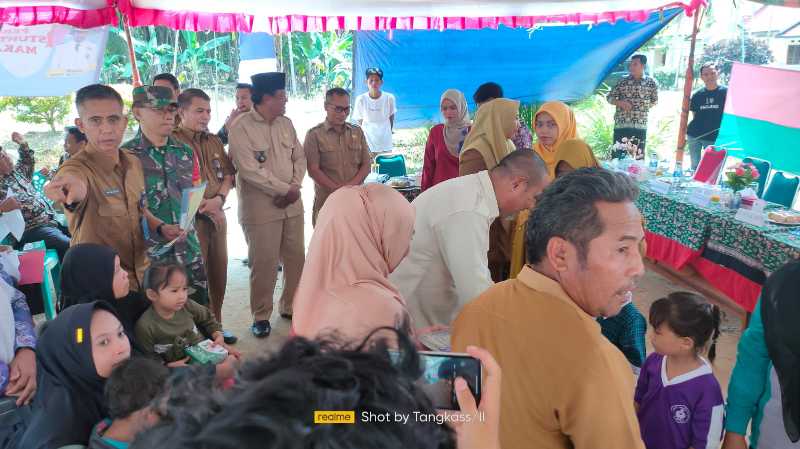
(199, 58)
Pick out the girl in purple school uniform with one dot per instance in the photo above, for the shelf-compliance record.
(678, 400)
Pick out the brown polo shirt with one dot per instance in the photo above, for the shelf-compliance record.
(564, 384)
(340, 153)
(214, 162)
(111, 213)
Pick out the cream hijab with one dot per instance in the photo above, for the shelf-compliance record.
(362, 235)
(454, 131)
(493, 121)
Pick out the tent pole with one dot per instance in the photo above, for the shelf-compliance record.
(687, 89)
(137, 81)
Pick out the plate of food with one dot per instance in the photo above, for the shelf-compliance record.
(784, 218)
(400, 182)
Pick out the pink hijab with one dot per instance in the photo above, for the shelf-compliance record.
(362, 235)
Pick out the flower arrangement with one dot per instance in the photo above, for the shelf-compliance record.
(625, 148)
(741, 175)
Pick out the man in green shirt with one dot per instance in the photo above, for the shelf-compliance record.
(169, 169)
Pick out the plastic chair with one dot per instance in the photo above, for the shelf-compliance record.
(51, 279)
(710, 165)
(391, 164)
(782, 190)
(763, 168)
(38, 182)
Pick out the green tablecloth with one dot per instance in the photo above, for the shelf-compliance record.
(673, 216)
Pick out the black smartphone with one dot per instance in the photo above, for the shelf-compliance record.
(440, 370)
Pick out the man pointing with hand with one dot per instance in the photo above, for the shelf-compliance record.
(102, 186)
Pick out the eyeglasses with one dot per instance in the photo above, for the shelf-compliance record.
(340, 109)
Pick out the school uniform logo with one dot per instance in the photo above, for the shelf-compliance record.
(680, 414)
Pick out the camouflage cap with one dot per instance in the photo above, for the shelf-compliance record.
(153, 96)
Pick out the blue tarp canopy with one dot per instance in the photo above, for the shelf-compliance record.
(564, 63)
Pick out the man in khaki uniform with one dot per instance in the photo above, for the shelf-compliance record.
(336, 151)
(102, 189)
(270, 166)
(217, 172)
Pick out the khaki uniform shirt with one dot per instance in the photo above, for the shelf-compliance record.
(564, 384)
(214, 162)
(339, 153)
(253, 140)
(111, 213)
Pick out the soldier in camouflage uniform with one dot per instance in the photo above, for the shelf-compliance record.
(169, 168)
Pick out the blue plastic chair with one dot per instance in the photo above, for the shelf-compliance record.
(391, 164)
(782, 190)
(763, 168)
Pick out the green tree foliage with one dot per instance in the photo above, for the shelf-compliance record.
(725, 52)
(50, 110)
(321, 60)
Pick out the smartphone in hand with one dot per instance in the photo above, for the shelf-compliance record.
(440, 370)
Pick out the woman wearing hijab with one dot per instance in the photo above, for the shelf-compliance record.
(488, 140)
(486, 144)
(445, 140)
(553, 124)
(764, 390)
(76, 353)
(570, 155)
(362, 235)
(92, 272)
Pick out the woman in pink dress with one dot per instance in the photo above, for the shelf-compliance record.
(445, 140)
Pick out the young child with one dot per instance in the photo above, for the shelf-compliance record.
(375, 111)
(678, 399)
(133, 385)
(174, 322)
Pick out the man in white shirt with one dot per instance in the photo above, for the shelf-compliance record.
(375, 111)
(447, 264)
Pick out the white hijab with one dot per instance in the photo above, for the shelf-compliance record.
(8, 263)
(454, 132)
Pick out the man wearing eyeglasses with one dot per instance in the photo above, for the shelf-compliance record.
(169, 169)
(337, 153)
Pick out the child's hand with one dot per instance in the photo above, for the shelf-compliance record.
(219, 339)
(232, 352)
(182, 362)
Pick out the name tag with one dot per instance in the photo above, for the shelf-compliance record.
(699, 198)
(751, 216)
(111, 192)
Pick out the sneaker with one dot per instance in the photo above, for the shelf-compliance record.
(229, 338)
(261, 329)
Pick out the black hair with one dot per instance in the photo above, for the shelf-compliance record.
(273, 404)
(133, 385)
(374, 71)
(689, 315)
(705, 66)
(567, 209)
(186, 97)
(76, 133)
(157, 276)
(97, 92)
(244, 86)
(487, 91)
(170, 78)
(641, 58)
(337, 91)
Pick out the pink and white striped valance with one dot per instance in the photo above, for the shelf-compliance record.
(77, 13)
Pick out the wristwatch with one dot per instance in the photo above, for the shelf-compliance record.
(221, 196)
(158, 229)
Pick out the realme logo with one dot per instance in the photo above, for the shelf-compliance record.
(334, 417)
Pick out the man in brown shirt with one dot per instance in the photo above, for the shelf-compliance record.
(270, 165)
(564, 384)
(217, 172)
(336, 151)
(102, 187)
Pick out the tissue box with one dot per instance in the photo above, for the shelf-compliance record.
(206, 352)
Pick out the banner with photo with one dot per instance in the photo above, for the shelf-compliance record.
(49, 60)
